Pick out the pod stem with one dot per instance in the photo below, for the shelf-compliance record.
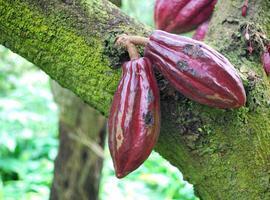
(123, 40)
(138, 40)
(132, 51)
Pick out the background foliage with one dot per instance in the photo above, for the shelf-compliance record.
(28, 137)
(28, 130)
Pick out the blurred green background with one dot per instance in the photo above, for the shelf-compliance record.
(29, 129)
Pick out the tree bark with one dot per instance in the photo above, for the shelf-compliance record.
(116, 2)
(224, 153)
(80, 156)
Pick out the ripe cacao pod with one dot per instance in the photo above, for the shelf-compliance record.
(245, 8)
(266, 62)
(196, 70)
(201, 31)
(178, 16)
(134, 120)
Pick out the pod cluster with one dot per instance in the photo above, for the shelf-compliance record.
(193, 68)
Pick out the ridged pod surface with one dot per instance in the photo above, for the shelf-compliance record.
(201, 31)
(196, 70)
(134, 120)
(266, 62)
(245, 8)
(178, 16)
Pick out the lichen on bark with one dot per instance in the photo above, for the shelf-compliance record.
(224, 153)
(71, 32)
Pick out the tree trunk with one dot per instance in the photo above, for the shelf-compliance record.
(224, 153)
(79, 161)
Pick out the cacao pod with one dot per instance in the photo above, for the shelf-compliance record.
(266, 62)
(134, 120)
(244, 11)
(178, 16)
(196, 70)
(201, 31)
(245, 8)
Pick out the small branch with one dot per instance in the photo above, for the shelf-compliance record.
(138, 40)
(123, 40)
(93, 146)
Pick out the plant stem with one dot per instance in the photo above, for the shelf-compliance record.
(124, 41)
(138, 40)
(132, 51)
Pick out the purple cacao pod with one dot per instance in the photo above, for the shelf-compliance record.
(178, 16)
(134, 120)
(201, 31)
(245, 8)
(265, 58)
(196, 70)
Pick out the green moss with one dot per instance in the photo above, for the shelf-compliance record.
(58, 50)
(228, 152)
(222, 152)
(69, 46)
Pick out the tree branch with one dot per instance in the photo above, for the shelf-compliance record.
(72, 42)
(116, 2)
(224, 153)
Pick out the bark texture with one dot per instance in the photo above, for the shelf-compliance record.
(79, 161)
(116, 2)
(224, 153)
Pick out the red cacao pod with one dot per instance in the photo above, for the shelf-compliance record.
(134, 120)
(244, 11)
(245, 8)
(266, 62)
(178, 16)
(201, 31)
(196, 70)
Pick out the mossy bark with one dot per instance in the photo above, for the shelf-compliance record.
(116, 2)
(224, 153)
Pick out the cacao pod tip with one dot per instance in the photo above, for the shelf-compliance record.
(121, 174)
(201, 31)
